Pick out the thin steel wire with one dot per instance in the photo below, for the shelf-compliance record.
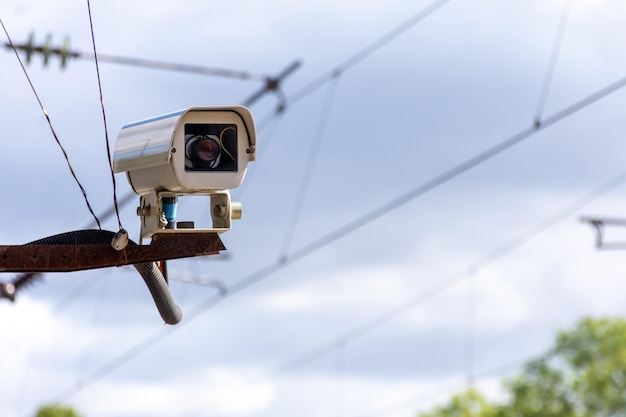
(359, 56)
(554, 56)
(424, 296)
(104, 118)
(309, 169)
(45, 113)
(269, 269)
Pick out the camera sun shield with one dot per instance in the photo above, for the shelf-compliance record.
(193, 151)
(201, 151)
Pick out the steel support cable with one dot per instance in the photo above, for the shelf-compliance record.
(471, 329)
(554, 56)
(452, 173)
(367, 51)
(309, 168)
(169, 66)
(426, 295)
(471, 303)
(104, 119)
(446, 392)
(64, 52)
(47, 116)
(357, 57)
(269, 269)
(25, 279)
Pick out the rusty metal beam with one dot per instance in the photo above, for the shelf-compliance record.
(66, 258)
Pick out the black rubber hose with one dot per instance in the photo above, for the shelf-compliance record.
(149, 271)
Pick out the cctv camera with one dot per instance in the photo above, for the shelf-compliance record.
(190, 151)
(197, 151)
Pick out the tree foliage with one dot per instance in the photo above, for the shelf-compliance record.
(57, 411)
(583, 375)
(471, 403)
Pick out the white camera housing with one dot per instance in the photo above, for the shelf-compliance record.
(196, 151)
(153, 151)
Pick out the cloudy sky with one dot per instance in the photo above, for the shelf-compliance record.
(366, 277)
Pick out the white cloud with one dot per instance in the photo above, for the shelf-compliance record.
(287, 301)
(216, 390)
(440, 93)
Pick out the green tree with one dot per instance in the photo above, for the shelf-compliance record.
(57, 411)
(540, 391)
(470, 403)
(583, 375)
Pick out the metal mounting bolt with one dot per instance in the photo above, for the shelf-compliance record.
(143, 211)
(220, 210)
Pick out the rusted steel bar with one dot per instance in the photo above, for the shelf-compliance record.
(66, 258)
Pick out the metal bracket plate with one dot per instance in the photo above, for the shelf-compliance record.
(66, 258)
(599, 225)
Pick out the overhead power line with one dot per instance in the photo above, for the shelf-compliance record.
(65, 53)
(424, 296)
(325, 240)
(448, 390)
(269, 269)
(312, 247)
(271, 83)
(47, 116)
(556, 49)
(104, 120)
(309, 168)
(454, 172)
(363, 53)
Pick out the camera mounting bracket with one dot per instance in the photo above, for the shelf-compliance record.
(67, 258)
(154, 220)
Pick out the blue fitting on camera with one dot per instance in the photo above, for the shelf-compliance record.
(169, 204)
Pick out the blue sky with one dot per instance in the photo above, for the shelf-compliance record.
(461, 81)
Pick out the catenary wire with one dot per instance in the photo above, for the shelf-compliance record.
(367, 51)
(357, 58)
(424, 296)
(77, 291)
(168, 66)
(301, 253)
(471, 328)
(45, 113)
(64, 52)
(446, 391)
(27, 278)
(104, 116)
(309, 168)
(353, 60)
(454, 172)
(554, 56)
(347, 64)
(556, 48)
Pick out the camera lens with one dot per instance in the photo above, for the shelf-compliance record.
(210, 147)
(203, 151)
